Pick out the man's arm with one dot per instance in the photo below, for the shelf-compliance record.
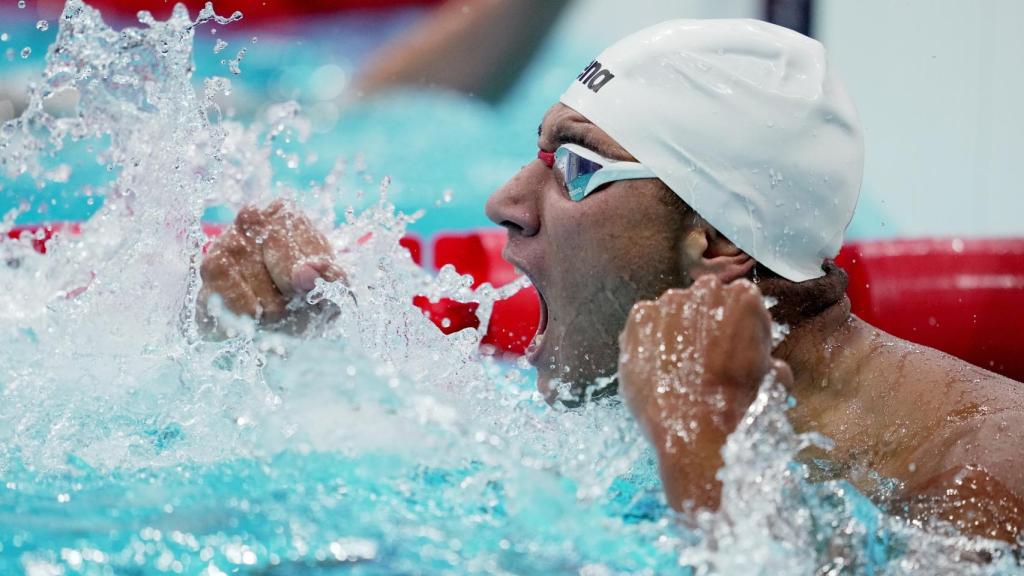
(478, 48)
(971, 476)
(691, 363)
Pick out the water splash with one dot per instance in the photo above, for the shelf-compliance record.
(105, 380)
(129, 443)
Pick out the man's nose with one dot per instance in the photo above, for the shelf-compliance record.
(515, 205)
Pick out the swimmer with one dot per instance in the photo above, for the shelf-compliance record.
(689, 171)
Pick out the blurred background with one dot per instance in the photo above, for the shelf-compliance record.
(386, 86)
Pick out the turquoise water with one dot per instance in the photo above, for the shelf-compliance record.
(376, 514)
(373, 444)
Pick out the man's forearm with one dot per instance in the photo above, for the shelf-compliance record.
(689, 460)
(478, 48)
(688, 476)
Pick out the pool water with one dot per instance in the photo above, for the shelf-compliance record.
(374, 444)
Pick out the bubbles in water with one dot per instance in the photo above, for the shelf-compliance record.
(21, 3)
(42, 25)
(4, 37)
(219, 46)
(26, 52)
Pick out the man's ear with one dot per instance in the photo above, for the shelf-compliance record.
(705, 251)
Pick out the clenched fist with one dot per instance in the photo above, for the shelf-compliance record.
(265, 260)
(690, 365)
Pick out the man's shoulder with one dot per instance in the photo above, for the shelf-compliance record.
(985, 444)
(932, 411)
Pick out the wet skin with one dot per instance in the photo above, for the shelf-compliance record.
(622, 274)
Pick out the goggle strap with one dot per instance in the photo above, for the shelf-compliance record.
(615, 172)
(548, 158)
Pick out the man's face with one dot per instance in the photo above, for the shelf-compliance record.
(589, 260)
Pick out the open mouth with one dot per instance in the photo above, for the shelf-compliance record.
(534, 349)
(543, 324)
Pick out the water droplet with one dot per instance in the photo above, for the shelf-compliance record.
(42, 25)
(254, 38)
(26, 52)
(21, 3)
(779, 333)
(233, 64)
(220, 45)
(4, 37)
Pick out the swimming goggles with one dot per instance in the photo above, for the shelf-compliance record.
(584, 171)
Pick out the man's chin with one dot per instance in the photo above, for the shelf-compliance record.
(570, 388)
(566, 379)
(546, 387)
(551, 387)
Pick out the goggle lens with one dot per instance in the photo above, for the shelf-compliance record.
(576, 171)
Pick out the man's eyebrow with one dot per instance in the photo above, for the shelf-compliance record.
(581, 138)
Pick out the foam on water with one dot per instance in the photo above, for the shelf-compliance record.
(371, 444)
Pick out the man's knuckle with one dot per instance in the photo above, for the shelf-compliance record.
(640, 310)
(248, 216)
(233, 251)
(741, 284)
(708, 280)
(274, 309)
(674, 294)
(280, 212)
(213, 267)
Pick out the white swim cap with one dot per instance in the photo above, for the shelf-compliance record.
(744, 121)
